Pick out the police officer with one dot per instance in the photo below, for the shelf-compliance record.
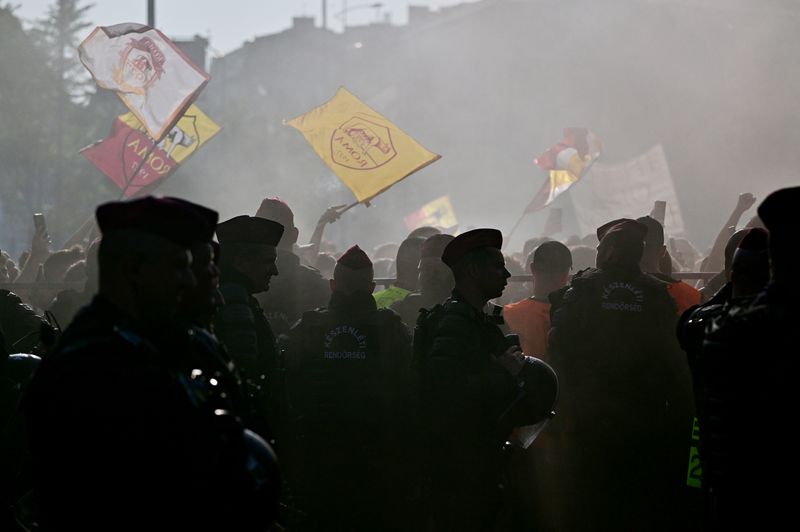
(625, 404)
(748, 273)
(351, 395)
(120, 438)
(476, 387)
(247, 264)
(750, 366)
(299, 287)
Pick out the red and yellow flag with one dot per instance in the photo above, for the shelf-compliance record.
(120, 155)
(566, 163)
(437, 213)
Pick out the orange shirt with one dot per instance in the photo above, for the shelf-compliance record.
(530, 319)
(685, 295)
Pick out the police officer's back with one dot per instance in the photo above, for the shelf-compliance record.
(625, 403)
(475, 388)
(750, 367)
(351, 399)
(121, 438)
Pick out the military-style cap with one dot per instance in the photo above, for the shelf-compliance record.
(355, 259)
(625, 226)
(277, 210)
(433, 247)
(173, 219)
(779, 211)
(466, 242)
(249, 230)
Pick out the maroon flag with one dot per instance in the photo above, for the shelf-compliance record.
(120, 156)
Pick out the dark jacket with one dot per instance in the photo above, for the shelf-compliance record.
(123, 439)
(20, 326)
(750, 367)
(351, 398)
(625, 409)
(296, 289)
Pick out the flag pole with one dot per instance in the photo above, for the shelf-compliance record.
(138, 168)
(87, 226)
(516, 225)
(507, 239)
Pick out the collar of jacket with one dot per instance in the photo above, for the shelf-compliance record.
(357, 301)
(460, 304)
(234, 277)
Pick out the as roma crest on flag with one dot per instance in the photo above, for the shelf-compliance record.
(362, 147)
(151, 75)
(129, 158)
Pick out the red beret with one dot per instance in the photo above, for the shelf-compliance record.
(249, 230)
(434, 245)
(626, 226)
(466, 242)
(277, 210)
(173, 219)
(355, 259)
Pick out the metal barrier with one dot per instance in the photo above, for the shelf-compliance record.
(31, 286)
(682, 276)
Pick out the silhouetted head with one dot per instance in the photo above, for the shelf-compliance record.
(279, 211)
(144, 259)
(407, 263)
(248, 250)
(478, 264)
(779, 214)
(353, 273)
(621, 243)
(750, 263)
(435, 277)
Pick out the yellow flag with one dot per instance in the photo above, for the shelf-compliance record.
(193, 130)
(364, 149)
(438, 212)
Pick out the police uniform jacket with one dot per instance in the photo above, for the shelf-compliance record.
(750, 366)
(351, 398)
(465, 394)
(122, 439)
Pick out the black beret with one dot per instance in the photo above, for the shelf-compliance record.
(249, 230)
(778, 210)
(173, 219)
(466, 242)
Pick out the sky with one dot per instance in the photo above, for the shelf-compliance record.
(232, 22)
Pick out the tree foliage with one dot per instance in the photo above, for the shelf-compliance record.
(48, 114)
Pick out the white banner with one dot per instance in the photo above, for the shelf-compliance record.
(149, 73)
(628, 189)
